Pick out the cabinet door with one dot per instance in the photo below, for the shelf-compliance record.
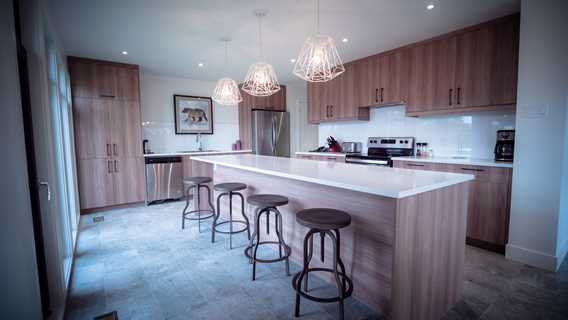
(129, 179)
(392, 87)
(365, 92)
(506, 61)
(106, 84)
(126, 136)
(83, 79)
(96, 184)
(127, 84)
(313, 103)
(346, 107)
(92, 128)
(432, 76)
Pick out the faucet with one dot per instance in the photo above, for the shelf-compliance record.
(198, 142)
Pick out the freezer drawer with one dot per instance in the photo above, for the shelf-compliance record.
(164, 178)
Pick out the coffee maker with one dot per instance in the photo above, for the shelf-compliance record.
(505, 146)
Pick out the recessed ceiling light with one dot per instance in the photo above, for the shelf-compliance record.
(430, 7)
(124, 52)
(200, 64)
(345, 40)
(292, 60)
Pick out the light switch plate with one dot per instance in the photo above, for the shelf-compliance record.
(534, 111)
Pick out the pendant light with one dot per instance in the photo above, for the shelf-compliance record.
(261, 79)
(318, 60)
(226, 91)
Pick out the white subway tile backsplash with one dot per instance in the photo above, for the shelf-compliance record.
(470, 135)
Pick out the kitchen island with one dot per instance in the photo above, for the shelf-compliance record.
(405, 247)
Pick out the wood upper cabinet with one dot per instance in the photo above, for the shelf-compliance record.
(365, 94)
(275, 102)
(104, 80)
(393, 79)
(108, 138)
(470, 70)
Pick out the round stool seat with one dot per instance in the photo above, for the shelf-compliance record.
(197, 180)
(323, 218)
(230, 186)
(267, 200)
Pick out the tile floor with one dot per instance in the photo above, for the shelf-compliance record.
(139, 262)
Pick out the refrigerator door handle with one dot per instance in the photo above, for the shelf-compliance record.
(274, 135)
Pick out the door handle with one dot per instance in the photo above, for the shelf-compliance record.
(414, 165)
(115, 149)
(472, 169)
(107, 96)
(109, 166)
(115, 165)
(459, 94)
(46, 184)
(108, 149)
(451, 91)
(382, 94)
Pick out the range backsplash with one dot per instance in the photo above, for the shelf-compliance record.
(470, 134)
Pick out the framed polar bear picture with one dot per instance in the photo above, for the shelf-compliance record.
(193, 114)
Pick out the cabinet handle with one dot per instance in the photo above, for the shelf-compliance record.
(331, 159)
(382, 94)
(108, 149)
(109, 166)
(115, 149)
(473, 169)
(115, 165)
(414, 165)
(331, 111)
(451, 91)
(107, 96)
(377, 95)
(459, 95)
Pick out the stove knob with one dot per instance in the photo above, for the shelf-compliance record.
(406, 141)
(401, 141)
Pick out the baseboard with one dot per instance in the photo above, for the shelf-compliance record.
(561, 254)
(531, 257)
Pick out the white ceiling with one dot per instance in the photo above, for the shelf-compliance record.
(172, 36)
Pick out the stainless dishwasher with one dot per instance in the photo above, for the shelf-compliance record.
(164, 177)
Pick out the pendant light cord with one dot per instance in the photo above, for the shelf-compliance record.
(317, 9)
(260, 36)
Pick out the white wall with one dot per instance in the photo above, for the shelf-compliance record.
(303, 136)
(472, 134)
(19, 293)
(538, 227)
(156, 94)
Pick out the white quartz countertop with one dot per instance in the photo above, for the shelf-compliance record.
(325, 154)
(377, 180)
(462, 161)
(196, 153)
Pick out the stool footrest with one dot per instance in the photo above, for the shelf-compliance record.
(245, 228)
(297, 279)
(287, 252)
(210, 214)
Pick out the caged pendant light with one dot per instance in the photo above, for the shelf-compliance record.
(261, 79)
(318, 60)
(226, 91)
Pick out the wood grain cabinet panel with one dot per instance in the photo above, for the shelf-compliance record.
(365, 94)
(96, 182)
(92, 126)
(108, 138)
(489, 201)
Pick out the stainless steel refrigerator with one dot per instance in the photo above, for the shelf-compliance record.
(271, 133)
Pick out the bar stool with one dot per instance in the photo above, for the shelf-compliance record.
(326, 222)
(267, 203)
(197, 183)
(230, 189)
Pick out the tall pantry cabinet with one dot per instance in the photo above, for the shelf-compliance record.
(108, 138)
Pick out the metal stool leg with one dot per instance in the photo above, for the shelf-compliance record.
(304, 272)
(230, 220)
(257, 233)
(186, 205)
(198, 207)
(217, 214)
(243, 213)
(340, 287)
(310, 255)
(281, 239)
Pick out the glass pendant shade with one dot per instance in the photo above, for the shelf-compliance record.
(227, 92)
(318, 60)
(261, 80)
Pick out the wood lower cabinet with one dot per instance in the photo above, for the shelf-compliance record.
(108, 138)
(275, 102)
(489, 201)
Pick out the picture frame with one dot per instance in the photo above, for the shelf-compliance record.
(193, 114)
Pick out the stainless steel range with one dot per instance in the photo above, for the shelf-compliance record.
(380, 150)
